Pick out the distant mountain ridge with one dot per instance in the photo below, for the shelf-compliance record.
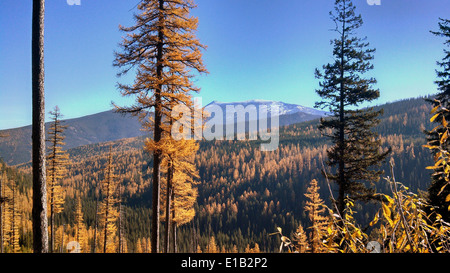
(90, 129)
(283, 108)
(111, 126)
(287, 113)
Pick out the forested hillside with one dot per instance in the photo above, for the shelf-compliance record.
(243, 194)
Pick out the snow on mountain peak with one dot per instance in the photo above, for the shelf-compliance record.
(283, 108)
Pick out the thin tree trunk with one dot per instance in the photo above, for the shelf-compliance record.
(106, 225)
(157, 138)
(107, 205)
(155, 203)
(62, 238)
(168, 206)
(174, 226)
(120, 218)
(193, 236)
(96, 225)
(39, 211)
(342, 182)
(52, 219)
(13, 220)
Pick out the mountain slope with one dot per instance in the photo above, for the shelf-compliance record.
(100, 127)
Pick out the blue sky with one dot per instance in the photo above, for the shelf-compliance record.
(257, 49)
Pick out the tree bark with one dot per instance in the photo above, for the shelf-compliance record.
(39, 211)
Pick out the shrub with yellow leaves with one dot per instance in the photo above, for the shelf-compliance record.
(409, 224)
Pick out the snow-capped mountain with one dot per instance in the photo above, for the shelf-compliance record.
(288, 113)
(283, 108)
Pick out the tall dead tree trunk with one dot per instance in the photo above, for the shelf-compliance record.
(39, 212)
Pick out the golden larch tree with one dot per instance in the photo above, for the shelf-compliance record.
(7, 218)
(108, 208)
(212, 246)
(163, 51)
(234, 249)
(301, 240)
(122, 246)
(138, 248)
(10, 215)
(255, 249)
(57, 159)
(180, 194)
(184, 198)
(15, 219)
(315, 209)
(143, 245)
(81, 235)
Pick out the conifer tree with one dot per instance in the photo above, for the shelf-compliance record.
(356, 148)
(184, 197)
(315, 209)
(39, 211)
(14, 237)
(59, 240)
(139, 246)
(80, 228)
(180, 193)
(163, 50)
(234, 249)
(57, 160)
(301, 240)
(96, 220)
(143, 245)
(148, 245)
(255, 249)
(199, 249)
(212, 246)
(438, 190)
(109, 210)
(7, 216)
(178, 154)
